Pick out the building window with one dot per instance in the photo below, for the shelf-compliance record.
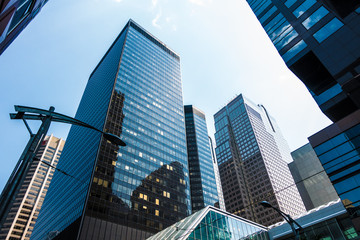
(315, 17)
(294, 50)
(327, 30)
(303, 7)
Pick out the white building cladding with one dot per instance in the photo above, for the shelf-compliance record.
(25, 209)
(252, 156)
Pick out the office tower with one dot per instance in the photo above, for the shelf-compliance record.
(124, 192)
(253, 163)
(24, 211)
(14, 17)
(311, 180)
(221, 204)
(319, 42)
(338, 149)
(202, 176)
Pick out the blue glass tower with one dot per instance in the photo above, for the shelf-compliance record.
(319, 42)
(201, 168)
(128, 192)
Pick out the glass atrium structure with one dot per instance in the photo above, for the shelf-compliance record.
(127, 192)
(252, 157)
(326, 222)
(202, 177)
(212, 223)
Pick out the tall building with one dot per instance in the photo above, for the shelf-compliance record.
(14, 17)
(319, 42)
(127, 192)
(253, 163)
(311, 180)
(338, 148)
(203, 185)
(21, 218)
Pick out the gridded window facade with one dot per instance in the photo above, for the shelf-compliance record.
(25, 209)
(252, 157)
(134, 191)
(202, 177)
(319, 42)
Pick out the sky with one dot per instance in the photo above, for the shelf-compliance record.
(224, 52)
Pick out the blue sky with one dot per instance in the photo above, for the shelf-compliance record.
(224, 52)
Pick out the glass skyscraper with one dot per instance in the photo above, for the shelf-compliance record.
(311, 180)
(202, 176)
(14, 17)
(252, 157)
(319, 42)
(127, 192)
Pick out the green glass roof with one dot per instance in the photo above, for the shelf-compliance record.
(213, 223)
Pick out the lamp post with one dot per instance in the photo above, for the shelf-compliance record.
(22, 167)
(287, 217)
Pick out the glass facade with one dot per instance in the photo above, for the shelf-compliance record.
(202, 177)
(252, 157)
(134, 191)
(326, 222)
(311, 180)
(310, 35)
(14, 17)
(340, 156)
(211, 223)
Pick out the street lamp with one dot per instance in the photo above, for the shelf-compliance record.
(287, 217)
(22, 167)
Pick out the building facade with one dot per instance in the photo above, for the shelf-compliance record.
(24, 211)
(15, 15)
(338, 148)
(127, 192)
(318, 40)
(203, 185)
(252, 162)
(311, 179)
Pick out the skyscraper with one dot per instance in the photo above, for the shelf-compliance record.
(14, 17)
(252, 158)
(202, 175)
(128, 192)
(24, 211)
(319, 42)
(313, 184)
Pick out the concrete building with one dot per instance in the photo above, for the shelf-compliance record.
(252, 157)
(21, 218)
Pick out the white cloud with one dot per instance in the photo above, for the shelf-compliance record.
(155, 21)
(118, 0)
(154, 2)
(200, 2)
